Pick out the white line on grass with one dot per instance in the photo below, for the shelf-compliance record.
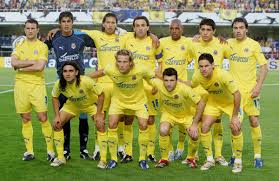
(11, 90)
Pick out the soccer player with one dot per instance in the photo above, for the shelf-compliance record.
(84, 95)
(108, 42)
(128, 98)
(210, 44)
(69, 46)
(29, 59)
(174, 54)
(224, 97)
(246, 54)
(145, 55)
(176, 106)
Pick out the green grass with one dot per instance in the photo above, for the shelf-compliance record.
(12, 147)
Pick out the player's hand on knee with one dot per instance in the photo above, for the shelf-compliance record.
(193, 132)
(57, 124)
(235, 124)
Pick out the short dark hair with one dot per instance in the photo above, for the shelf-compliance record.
(208, 22)
(240, 20)
(32, 21)
(170, 72)
(66, 14)
(145, 19)
(206, 56)
(62, 81)
(105, 18)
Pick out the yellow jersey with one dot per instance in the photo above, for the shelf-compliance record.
(220, 86)
(106, 45)
(178, 102)
(174, 54)
(28, 50)
(83, 96)
(244, 58)
(214, 47)
(128, 88)
(143, 51)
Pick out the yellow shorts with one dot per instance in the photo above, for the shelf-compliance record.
(152, 100)
(28, 95)
(216, 110)
(185, 122)
(73, 109)
(251, 106)
(107, 88)
(119, 109)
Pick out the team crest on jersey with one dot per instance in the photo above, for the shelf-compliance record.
(81, 91)
(116, 39)
(216, 84)
(215, 52)
(246, 50)
(148, 48)
(36, 52)
(176, 96)
(134, 77)
(73, 46)
(182, 47)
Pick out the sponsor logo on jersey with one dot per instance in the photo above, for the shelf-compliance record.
(182, 47)
(73, 46)
(215, 52)
(216, 84)
(81, 91)
(176, 96)
(246, 50)
(134, 77)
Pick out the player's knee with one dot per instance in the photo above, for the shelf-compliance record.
(143, 126)
(254, 121)
(42, 117)
(218, 121)
(196, 138)
(57, 127)
(26, 117)
(164, 131)
(151, 120)
(235, 131)
(112, 124)
(205, 128)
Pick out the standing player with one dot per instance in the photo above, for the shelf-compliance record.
(176, 106)
(83, 96)
(69, 46)
(127, 98)
(224, 97)
(144, 54)
(246, 53)
(29, 59)
(210, 44)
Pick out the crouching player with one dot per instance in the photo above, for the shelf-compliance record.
(176, 101)
(128, 98)
(223, 97)
(83, 96)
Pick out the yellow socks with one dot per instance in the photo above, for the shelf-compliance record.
(58, 138)
(218, 138)
(128, 139)
(152, 139)
(192, 148)
(143, 141)
(112, 143)
(181, 138)
(257, 140)
(103, 140)
(164, 147)
(27, 132)
(120, 133)
(47, 132)
(206, 140)
(237, 142)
